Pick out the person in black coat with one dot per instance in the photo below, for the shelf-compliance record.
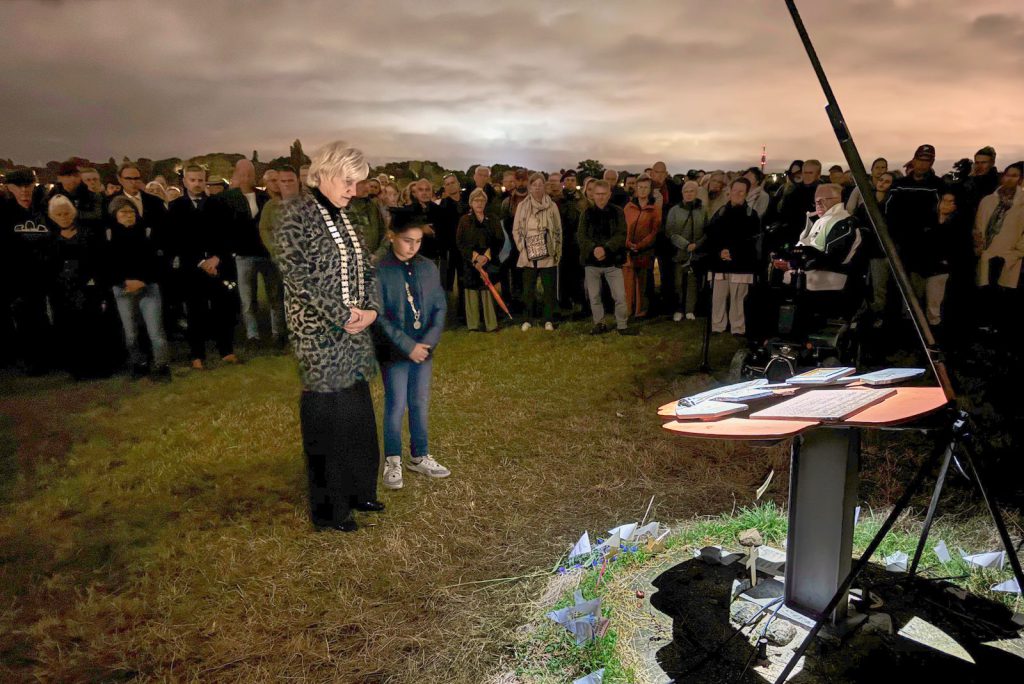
(207, 268)
(26, 251)
(239, 210)
(731, 247)
(133, 269)
(76, 301)
(479, 238)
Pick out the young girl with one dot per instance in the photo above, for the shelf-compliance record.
(413, 308)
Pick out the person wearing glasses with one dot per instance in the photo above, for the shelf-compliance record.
(150, 207)
(828, 249)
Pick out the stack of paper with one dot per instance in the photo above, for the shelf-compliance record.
(695, 399)
(822, 376)
(708, 410)
(887, 376)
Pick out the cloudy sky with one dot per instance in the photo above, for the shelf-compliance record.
(543, 84)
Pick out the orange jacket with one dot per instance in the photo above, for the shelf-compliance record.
(642, 225)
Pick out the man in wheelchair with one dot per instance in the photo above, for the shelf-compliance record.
(823, 270)
(822, 287)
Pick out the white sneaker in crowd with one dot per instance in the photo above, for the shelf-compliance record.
(428, 466)
(525, 326)
(393, 472)
(677, 317)
(690, 317)
(549, 326)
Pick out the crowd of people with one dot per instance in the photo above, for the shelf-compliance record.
(97, 270)
(360, 274)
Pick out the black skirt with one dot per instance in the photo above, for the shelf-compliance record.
(339, 437)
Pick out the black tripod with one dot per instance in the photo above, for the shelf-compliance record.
(957, 433)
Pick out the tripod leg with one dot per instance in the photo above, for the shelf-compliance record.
(861, 563)
(936, 495)
(997, 517)
(705, 365)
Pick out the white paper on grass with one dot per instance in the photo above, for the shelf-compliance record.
(592, 678)
(582, 547)
(648, 530)
(1010, 586)
(715, 554)
(625, 532)
(896, 562)
(992, 559)
(1018, 619)
(942, 552)
(612, 543)
(856, 516)
(581, 619)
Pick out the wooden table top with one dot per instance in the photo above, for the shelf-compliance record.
(905, 405)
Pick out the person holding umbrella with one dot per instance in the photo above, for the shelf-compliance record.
(479, 238)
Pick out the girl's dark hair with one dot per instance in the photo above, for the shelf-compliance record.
(1016, 165)
(742, 180)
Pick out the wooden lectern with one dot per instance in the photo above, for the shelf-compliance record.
(823, 483)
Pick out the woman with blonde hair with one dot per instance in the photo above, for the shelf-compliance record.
(331, 301)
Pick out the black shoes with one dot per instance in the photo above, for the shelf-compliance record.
(138, 370)
(161, 373)
(599, 329)
(629, 332)
(344, 526)
(369, 506)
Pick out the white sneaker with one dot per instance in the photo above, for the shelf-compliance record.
(677, 317)
(690, 317)
(525, 326)
(393, 472)
(549, 326)
(428, 466)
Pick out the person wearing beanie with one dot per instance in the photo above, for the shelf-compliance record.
(88, 205)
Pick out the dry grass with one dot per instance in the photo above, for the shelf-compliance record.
(171, 541)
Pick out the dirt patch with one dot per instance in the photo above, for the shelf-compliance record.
(41, 425)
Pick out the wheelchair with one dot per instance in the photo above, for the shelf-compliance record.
(799, 330)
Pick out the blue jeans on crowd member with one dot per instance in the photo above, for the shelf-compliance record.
(249, 267)
(406, 385)
(145, 304)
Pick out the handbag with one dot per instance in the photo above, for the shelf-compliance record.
(537, 246)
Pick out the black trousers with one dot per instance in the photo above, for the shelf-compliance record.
(339, 437)
(32, 331)
(212, 312)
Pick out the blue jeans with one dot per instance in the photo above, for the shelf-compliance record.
(145, 304)
(249, 267)
(406, 385)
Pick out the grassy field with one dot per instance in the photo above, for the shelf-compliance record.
(160, 532)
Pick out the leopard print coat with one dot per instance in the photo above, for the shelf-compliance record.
(330, 359)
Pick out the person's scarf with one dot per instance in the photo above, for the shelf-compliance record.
(995, 222)
(540, 211)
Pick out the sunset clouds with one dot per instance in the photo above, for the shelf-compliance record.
(537, 83)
